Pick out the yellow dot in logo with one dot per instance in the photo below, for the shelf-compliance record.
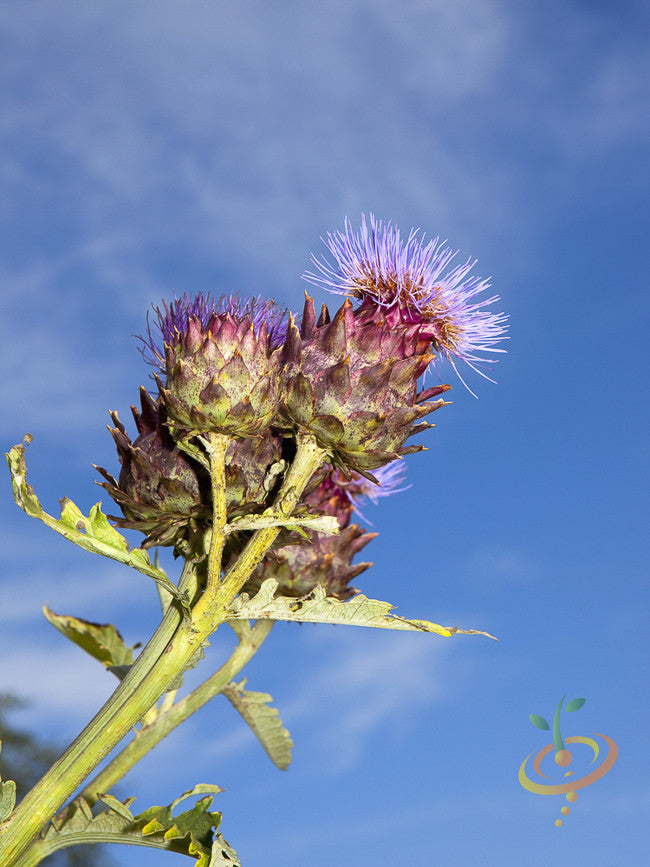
(563, 758)
(565, 811)
(558, 822)
(571, 796)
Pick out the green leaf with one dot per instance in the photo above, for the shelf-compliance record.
(263, 720)
(319, 608)
(575, 704)
(538, 721)
(93, 533)
(101, 640)
(190, 833)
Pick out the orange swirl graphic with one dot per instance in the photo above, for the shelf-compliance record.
(600, 771)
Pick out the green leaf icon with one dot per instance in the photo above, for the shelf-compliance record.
(538, 721)
(575, 704)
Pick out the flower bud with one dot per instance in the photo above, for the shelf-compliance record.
(160, 489)
(353, 385)
(164, 493)
(221, 364)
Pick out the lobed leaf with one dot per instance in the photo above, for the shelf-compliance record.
(93, 533)
(575, 704)
(319, 608)
(264, 721)
(101, 640)
(192, 833)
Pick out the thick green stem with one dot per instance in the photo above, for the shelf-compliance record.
(173, 716)
(91, 745)
(165, 657)
(309, 457)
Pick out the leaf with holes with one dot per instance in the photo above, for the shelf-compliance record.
(101, 640)
(93, 533)
(319, 608)
(263, 720)
(192, 833)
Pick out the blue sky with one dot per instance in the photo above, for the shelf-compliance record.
(156, 148)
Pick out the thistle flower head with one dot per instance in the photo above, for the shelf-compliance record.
(162, 492)
(172, 321)
(412, 282)
(220, 361)
(352, 383)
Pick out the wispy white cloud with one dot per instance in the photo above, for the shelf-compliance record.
(496, 566)
(367, 683)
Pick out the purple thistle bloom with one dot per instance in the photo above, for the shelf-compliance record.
(390, 480)
(411, 283)
(348, 494)
(172, 321)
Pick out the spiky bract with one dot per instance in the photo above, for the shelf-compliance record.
(300, 565)
(412, 283)
(160, 490)
(352, 383)
(222, 376)
(326, 561)
(172, 320)
(164, 493)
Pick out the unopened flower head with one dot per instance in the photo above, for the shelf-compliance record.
(221, 362)
(413, 282)
(173, 320)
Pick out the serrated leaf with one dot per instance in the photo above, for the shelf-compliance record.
(264, 721)
(192, 833)
(319, 608)
(101, 640)
(7, 798)
(575, 704)
(539, 721)
(93, 533)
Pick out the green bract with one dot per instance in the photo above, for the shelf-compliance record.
(223, 377)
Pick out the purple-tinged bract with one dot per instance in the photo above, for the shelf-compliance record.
(352, 383)
(221, 366)
(172, 320)
(300, 565)
(413, 283)
(165, 494)
(162, 492)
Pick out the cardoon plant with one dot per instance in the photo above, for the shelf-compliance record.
(265, 438)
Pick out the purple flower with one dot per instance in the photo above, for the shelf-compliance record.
(410, 282)
(172, 321)
(339, 494)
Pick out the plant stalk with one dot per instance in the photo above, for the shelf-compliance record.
(165, 657)
(173, 716)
